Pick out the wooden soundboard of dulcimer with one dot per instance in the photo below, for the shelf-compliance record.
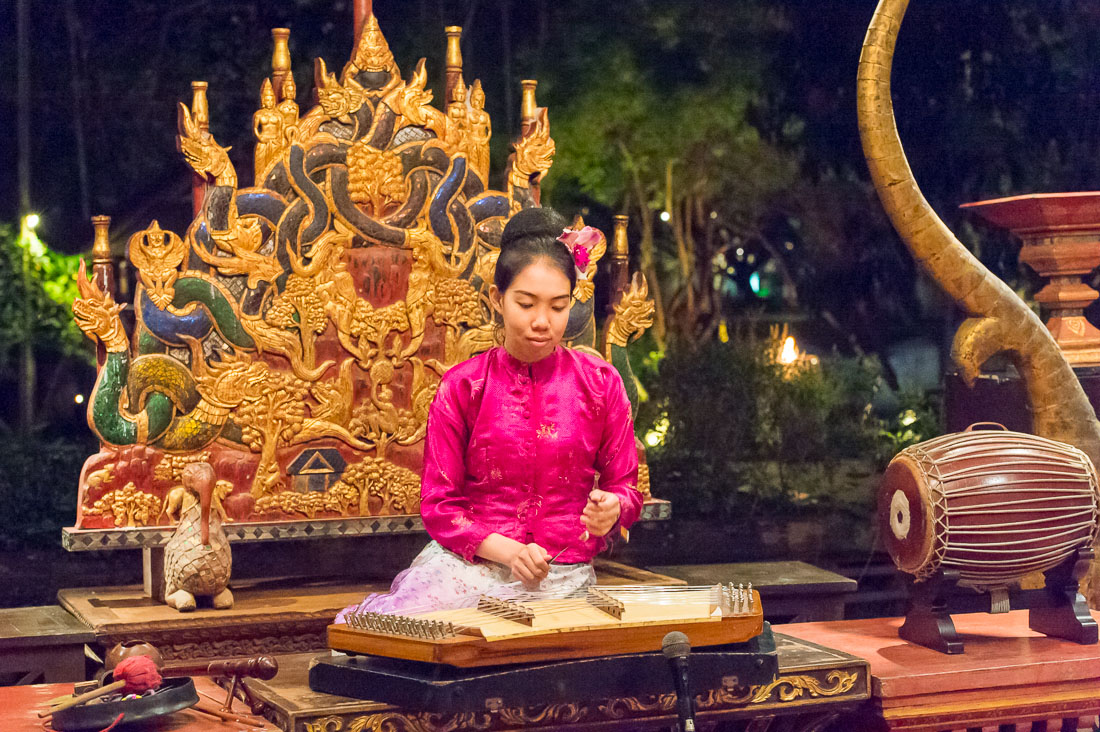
(525, 628)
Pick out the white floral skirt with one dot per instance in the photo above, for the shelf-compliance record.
(439, 579)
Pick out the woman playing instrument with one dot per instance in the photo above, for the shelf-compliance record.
(516, 439)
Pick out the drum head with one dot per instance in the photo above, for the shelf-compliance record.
(905, 518)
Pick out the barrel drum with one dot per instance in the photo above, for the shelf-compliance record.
(993, 505)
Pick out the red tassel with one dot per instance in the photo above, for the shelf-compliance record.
(114, 723)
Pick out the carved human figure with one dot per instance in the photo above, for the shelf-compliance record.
(197, 559)
(480, 130)
(288, 108)
(267, 125)
(456, 117)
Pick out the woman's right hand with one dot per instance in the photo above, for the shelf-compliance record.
(530, 564)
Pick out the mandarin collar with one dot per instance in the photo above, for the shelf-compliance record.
(538, 369)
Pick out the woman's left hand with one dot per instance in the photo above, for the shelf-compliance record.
(601, 512)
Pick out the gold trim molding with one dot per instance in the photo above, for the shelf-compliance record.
(784, 690)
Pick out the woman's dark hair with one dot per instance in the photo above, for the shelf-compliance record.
(529, 235)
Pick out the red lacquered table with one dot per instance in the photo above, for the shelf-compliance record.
(1009, 678)
(19, 706)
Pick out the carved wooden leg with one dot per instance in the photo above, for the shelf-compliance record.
(1067, 614)
(152, 570)
(928, 623)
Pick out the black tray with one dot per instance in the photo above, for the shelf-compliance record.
(443, 689)
(173, 695)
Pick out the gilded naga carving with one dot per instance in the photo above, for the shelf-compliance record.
(294, 336)
(998, 320)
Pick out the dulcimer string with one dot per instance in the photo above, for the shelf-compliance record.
(575, 600)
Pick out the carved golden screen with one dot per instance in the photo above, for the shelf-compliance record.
(295, 335)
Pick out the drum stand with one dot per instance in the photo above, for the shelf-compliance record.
(1056, 610)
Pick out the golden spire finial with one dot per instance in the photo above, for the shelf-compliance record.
(200, 108)
(620, 247)
(103, 269)
(280, 58)
(578, 222)
(527, 106)
(101, 245)
(280, 52)
(373, 52)
(453, 58)
(452, 64)
(619, 280)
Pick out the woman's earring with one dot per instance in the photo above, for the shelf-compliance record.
(498, 329)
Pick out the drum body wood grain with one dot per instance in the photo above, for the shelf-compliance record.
(994, 505)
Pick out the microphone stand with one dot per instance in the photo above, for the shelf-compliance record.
(676, 648)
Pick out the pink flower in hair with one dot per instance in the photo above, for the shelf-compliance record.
(580, 256)
(580, 243)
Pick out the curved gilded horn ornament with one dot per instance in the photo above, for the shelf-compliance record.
(999, 321)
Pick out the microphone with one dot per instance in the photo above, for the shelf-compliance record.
(676, 648)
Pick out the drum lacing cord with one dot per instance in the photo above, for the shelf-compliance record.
(1095, 503)
(942, 534)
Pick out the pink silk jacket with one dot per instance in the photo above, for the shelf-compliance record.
(514, 448)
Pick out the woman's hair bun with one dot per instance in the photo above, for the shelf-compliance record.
(530, 235)
(532, 223)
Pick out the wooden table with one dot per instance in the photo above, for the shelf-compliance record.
(792, 592)
(1009, 678)
(41, 645)
(19, 706)
(814, 687)
(272, 617)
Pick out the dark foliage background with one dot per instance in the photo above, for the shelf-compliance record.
(736, 118)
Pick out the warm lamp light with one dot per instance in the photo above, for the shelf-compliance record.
(656, 436)
(789, 352)
(784, 352)
(27, 238)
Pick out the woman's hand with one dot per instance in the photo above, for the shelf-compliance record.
(530, 564)
(601, 512)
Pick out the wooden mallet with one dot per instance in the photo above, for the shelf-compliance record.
(133, 675)
(236, 669)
